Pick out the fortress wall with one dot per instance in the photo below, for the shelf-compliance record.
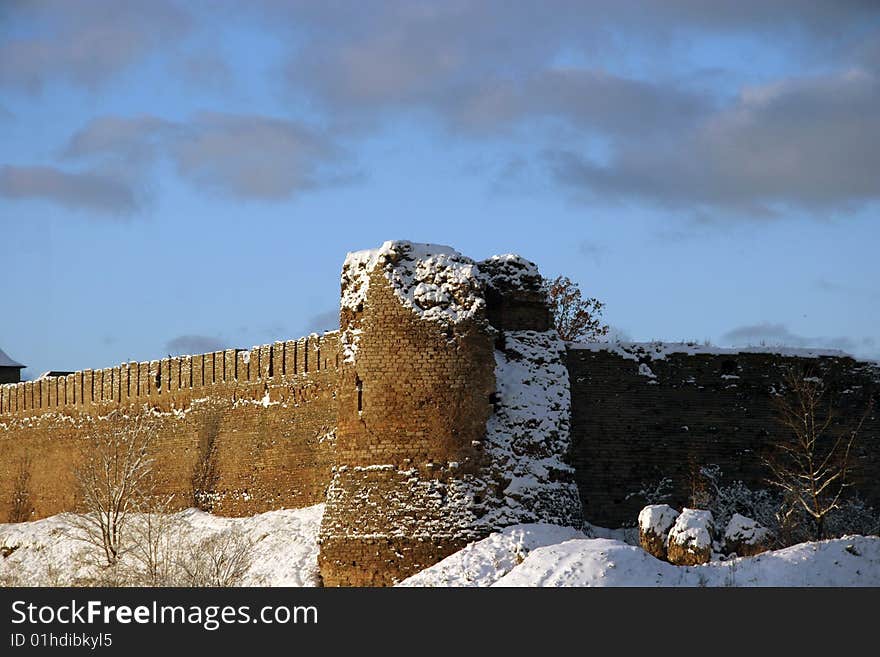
(630, 430)
(413, 406)
(272, 410)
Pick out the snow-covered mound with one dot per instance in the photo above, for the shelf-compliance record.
(283, 547)
(657, 519)
(581, 561)
(483, 562)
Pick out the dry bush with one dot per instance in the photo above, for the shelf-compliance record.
(154, 537)
(219, 560)
(112, 479)
(810, 462)
(574, 317)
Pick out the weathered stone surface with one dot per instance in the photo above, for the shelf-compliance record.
(690, 539)
(630, 431)
(272, 411)
(655, 521)
(420, 468)
(430, 450)
(745, 537)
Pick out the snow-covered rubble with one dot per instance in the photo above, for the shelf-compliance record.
(436, 282)
(657, 519)
(690, 539)
(744, 535)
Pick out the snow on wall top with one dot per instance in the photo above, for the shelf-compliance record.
(436, 282)
(660, 350)
(512, 272)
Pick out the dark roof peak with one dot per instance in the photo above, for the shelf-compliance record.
(6, 361)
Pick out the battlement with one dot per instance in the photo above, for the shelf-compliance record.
(175, 381)
(444, 408)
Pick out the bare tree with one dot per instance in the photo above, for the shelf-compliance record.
(154, 539)
(219, 560)
(575, 317)
(21, 507)
(205, 471)
(112, 479)
(811, 463)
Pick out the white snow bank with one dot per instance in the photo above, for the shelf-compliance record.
(849, 561)
(545, 555)
(657, 519)
(483, 562)
(284, 548)
(741, 529)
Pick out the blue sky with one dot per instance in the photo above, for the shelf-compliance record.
(178, 177)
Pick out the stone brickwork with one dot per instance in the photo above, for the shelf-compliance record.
(443, 409)
(639, 416)
(273, 410)
(431, 451)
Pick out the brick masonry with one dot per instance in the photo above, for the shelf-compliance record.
(632, 429)
(273, 409)
(386, 421)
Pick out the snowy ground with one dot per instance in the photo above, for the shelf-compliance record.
(284, 553)
(284, 548)
(533, 555)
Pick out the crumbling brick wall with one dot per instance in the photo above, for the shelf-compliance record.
(273, 410)
(638, 419)
(433, 450)
(413, 405)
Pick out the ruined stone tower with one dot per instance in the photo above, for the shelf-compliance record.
(448, 427)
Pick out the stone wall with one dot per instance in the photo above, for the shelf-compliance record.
(414, 398)
(450, 426)
(272, 410)
(444, 409)
(644, 413)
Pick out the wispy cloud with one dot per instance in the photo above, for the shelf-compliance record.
(195, 344)
(239, 156)
(89, 191)
(778, 334)
(323, 321)
(85, 42)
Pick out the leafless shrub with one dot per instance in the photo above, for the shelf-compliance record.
(21, 508)
(111, 479)
(219, 560)
(155, 537)
(810, 463)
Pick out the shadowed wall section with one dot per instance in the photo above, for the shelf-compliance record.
(651, 412)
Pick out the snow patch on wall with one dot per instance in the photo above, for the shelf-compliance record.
(528, 434)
